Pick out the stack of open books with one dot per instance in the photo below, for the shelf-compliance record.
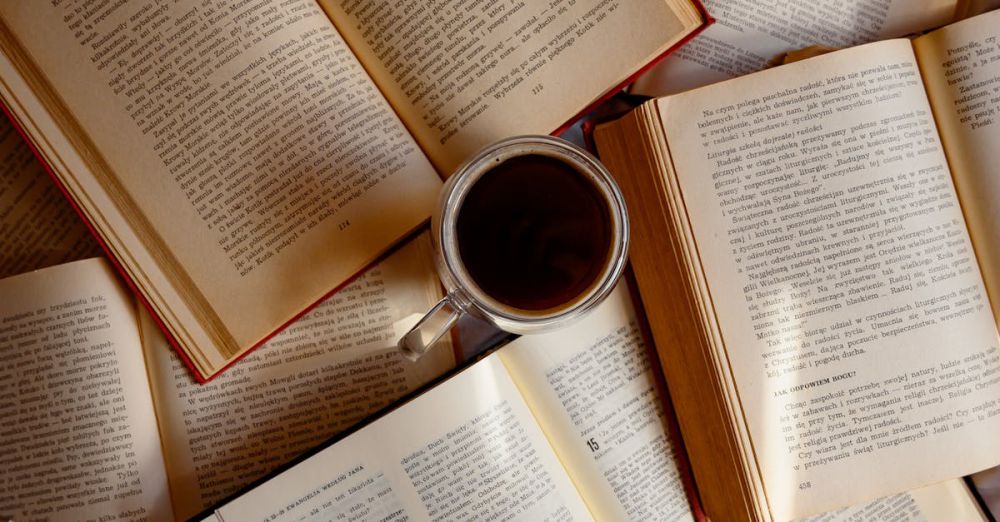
(815, 250)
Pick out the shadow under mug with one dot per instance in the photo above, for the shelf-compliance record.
(465, 296)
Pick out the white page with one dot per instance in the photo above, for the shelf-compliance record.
(592, 387)
(961, 68)
(467, 448)
(78, 439)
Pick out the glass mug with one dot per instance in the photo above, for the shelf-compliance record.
(546, 171)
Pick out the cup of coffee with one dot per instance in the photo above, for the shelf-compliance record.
(530, 235)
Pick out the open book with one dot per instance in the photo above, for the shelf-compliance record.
(817, 246)
(562, 426)
(102, 419)
(240, 162)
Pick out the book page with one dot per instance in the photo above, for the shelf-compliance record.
(942, 502)
(245, 146)
(38, 227)
(79, 439)
(465, 74)
(850, 304)
(28, 111)
(961, 67)
(593, 390)
(324, 373)
(467, 449)
(747, 35)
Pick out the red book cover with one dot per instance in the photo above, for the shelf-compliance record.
(707, 20)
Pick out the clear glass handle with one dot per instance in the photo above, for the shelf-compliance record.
(432, 326)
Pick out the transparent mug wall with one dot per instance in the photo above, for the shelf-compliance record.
(465, 296)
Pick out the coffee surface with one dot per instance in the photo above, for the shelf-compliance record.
(533, 232)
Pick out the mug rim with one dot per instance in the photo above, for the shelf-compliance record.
(458, 186)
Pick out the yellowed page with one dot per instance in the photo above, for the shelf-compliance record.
(852, 312)
(79, 439)
(706, 313)
(467, 449)
(747, 35)
(38, 227)
(256, 160)
(462, 75)
(57, 148)
(948, 501)
(961, 67)
(592, 388)
(324, 373)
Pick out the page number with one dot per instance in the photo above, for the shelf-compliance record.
(805, 485)
(593, 445)
(343, 225)
(537, 89)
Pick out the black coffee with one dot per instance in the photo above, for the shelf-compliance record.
(533, 232)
